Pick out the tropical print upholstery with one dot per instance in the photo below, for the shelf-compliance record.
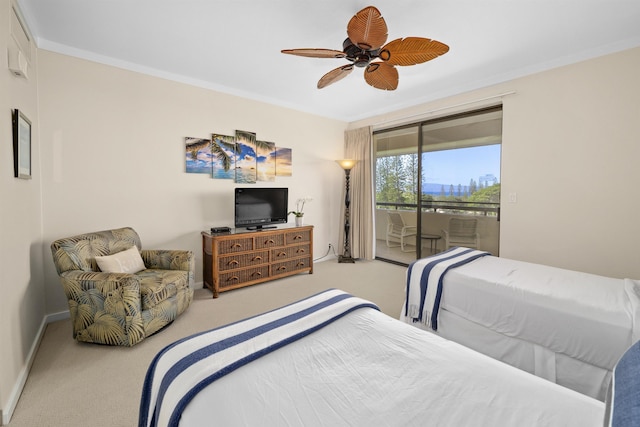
(119, 308)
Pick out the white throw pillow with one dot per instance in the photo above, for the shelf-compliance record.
(128, 261)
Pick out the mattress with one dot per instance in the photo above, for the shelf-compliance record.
(366, 368)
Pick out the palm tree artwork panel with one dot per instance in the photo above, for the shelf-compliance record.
(198, 155)
(246, 162)
(223, 150)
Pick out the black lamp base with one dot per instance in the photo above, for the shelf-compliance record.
(342, 258)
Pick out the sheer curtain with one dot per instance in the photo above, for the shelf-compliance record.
(358, 146)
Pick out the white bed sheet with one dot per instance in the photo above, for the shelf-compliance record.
(533, 358)
(584, 316)
(369, 369)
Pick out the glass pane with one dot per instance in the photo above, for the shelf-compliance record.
(461, 179)
(396, 194)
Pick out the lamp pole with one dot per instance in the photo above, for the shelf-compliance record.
(347, 165)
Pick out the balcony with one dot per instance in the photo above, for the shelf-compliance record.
(435, 217)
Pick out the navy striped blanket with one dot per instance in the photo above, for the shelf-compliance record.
(187, 366)
(424, 283)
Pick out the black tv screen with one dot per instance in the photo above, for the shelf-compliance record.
(257, 208)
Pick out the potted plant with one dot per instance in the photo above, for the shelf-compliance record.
(299, 212)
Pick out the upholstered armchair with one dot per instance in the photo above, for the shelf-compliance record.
(121, 308)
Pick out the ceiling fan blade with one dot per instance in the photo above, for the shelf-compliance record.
(335, 75)
(381, 76)
(367, 29)
(315, 53)
(412, 50)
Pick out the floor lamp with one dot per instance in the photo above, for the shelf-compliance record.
(347, 165)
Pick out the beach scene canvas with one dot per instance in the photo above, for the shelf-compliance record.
(241, 157)
(266, 159)
(223, 151)
(283, 160)
(198, 155)
(246, 163)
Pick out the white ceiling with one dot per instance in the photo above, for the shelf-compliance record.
(234, 46)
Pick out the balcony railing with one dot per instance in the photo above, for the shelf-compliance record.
(448, 206)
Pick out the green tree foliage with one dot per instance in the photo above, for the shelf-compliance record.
(487, 195)
(391, 180)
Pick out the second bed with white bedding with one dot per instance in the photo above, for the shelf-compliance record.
(566, 326)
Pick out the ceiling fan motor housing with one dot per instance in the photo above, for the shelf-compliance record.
(359, 56)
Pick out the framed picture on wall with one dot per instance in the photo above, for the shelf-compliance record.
(21, 145)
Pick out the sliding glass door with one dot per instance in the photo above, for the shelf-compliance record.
(443, 168)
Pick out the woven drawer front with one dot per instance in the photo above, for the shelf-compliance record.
(242, 260)
(289, 252)
(298, 237)
(241, 276)
(235, 245)
(269, 241)
(288, 266)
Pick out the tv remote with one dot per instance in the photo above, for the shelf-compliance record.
(220, 229)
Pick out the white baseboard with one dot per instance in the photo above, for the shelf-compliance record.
(24, 373)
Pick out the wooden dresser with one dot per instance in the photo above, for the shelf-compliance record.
(243, 258)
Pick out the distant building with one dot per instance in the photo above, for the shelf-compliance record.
(487, 180)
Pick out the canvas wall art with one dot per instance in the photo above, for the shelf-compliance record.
(198, 155)
(224, 151)
(266, 159)
(241, 157)
(283, 161)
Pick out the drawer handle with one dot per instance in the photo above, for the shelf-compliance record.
(258, 258)
(282, 267)
(233, 262)
(300, 251)
(232, 278)
(256, 273)
(297, 237)
(300, 264)
(282, 254)
(236, 245)
(269, 241)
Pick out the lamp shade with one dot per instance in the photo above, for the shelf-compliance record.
(346, 164)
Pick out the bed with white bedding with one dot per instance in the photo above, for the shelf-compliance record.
(333, 359)
(566, 326)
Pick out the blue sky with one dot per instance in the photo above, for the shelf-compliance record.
(459, 166)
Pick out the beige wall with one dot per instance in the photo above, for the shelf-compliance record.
(571, 144)
(113, 155)
(22, 303)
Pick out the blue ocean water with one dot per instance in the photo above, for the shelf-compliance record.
(245, 176)
(220, 173)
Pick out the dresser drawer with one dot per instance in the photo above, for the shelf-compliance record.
(289, 252)
(231, 262)
(236, 277)
(289, 266)
(269, 241)
(293, 237)
(235, 245)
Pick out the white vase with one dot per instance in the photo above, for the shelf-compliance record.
(299, 221)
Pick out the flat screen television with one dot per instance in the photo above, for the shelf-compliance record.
(257, 208)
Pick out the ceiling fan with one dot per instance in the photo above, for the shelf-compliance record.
(365, 48)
